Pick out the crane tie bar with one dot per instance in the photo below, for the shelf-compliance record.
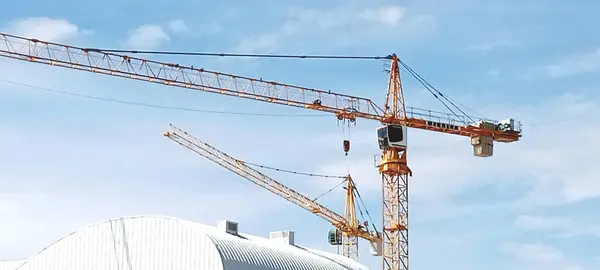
(292, 172)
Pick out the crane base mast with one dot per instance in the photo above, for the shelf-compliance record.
(350, 246)
(395, 174)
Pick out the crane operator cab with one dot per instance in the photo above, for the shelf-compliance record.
(391, 136)
(334, 237)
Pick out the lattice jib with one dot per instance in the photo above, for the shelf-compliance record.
(240, 168)
(343, 106)
(93, 60)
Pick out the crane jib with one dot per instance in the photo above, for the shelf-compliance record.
(344, 106)
(238, 167)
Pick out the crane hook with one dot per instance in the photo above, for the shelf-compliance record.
(346, 147)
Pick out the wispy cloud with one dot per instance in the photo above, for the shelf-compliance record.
(308, 24)
(577, 63)
(538, 256)
(177, 26)
(147, 37)
(44, 28)
(154, 36)
(494, 45)
(385, 15)
(560, 225)
(536, 253)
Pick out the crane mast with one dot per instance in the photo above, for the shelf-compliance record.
(349, 239)
(347, 224)
(394, 175)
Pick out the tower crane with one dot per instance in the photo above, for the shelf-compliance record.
(348, 224)
(395, 116)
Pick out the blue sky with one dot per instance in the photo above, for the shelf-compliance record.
(70, 161)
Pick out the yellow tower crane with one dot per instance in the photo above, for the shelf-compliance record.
(395, 116)
(348, 225)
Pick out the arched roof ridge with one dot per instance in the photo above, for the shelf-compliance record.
(89, 226)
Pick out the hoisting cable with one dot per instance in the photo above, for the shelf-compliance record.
(290, 171)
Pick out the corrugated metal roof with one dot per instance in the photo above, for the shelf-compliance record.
(158, 242)
(259, 256)
(10, 264)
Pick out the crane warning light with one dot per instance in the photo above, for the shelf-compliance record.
(346, 146)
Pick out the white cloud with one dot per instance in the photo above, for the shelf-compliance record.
(147, 37)
(559, 172)
(386, 15)
(563, 226)
(581, 62)
(153, 36)
(539, 256)
(567, 168)
(177, 26)
(541, 223)
(536, 253)
(44, 28)
(494, 45)
(342, 22)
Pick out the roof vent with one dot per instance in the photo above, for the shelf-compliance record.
(286, 237)
(228, 226)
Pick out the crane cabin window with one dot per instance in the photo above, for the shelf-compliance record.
(395, 134)
(382, 138)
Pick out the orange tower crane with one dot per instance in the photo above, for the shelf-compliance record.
(395, 116)
(348, 224)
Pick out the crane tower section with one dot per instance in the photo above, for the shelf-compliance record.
(391, 138)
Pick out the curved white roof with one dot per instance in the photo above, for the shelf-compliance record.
(10, 264)
(158, 242)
